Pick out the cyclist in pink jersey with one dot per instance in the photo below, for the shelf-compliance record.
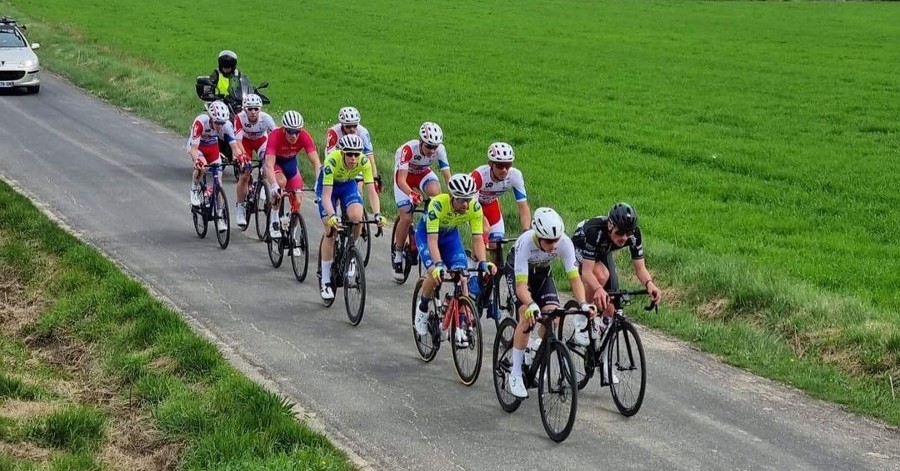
(282, 169)
(251, 126)
(413, 177)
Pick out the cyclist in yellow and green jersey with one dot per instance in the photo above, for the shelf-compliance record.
(337, 181)
(437, 239)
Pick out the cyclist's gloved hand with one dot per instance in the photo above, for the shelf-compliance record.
(589, 308)
(438, 272)
(381, 219)
(487, 267)
(275, 190)
(199, 163)
(415, 198)
(532, 312)
(379, 185)
(333, 221)
(243, 159)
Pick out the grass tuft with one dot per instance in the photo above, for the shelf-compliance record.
(73, 428)
(16, 389)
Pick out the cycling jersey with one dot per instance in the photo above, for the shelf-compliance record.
(527, 254)
(336, 132)
(334, 171)
(490, 190)
(244, 129)
(278, 145)
(409, 157)
(592, 241)
(203, 134)
(441, 217)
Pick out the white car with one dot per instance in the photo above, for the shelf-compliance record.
(19, 65)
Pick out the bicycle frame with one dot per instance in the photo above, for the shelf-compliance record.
(453, 320)
(213, 170)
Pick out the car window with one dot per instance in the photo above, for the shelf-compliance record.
(11, 38)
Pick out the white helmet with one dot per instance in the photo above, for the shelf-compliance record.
(348, 115)
(548, 224)
(431, 134)
(252, 100)
(292, 120)
(462, 185)
(351, 143)
(218, 111)
(501, 152)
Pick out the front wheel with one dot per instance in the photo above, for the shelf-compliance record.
(502, 364)
(557, 392)
(427, 345)
(222, 218)
(276, 244)
(201, 223)
(299, 247)
(583, 357)
(404, 256)
(364, 243)
(262, 210)
(354, 286)
(467, 357)
(625, 368)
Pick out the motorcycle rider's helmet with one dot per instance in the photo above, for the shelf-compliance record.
(227, 59)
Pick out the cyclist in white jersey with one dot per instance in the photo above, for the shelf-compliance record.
(534, 290)
(252, 126)
(413, 177)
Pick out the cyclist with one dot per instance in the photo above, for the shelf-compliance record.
(438, 241)
(595, 241)
(337, 181)
(282, 166)
(413, 177)
(535, 291)
(203, 145)
(251, 126)
(348, 123)
(493, 180)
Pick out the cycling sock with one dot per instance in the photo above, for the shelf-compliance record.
(423, 303)
(518, 357)
(326, 272)
(274, 216)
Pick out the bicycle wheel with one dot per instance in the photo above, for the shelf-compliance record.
(276, 245)
(467, 359)
(299, 247)
(354, 286)
(201, 223)
(503, 364)
(221, 214)
(249, 204)
(404, 249)
(583, 357)
(557, 392)
(625, 368)
(427, 345)
(261, 209)
(364, 243)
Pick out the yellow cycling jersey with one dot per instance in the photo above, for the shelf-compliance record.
(334, 170)
(442, 217)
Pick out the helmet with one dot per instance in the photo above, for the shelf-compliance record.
(548, 224)
(227, 59)
(292, 120)
(218, 111)
(624, 217)
(501, 152)
(348, 115)
(431, 134)
(351, 142)
(252, 100)
(462, 185)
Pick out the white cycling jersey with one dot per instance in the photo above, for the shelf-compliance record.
(409, 157)
(335, 133)
(203, 134)
(244, 129)
(529, 254)
(489, 190)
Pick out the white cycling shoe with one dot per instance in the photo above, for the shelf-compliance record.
(241, 215)
(580, 335)
(462, 340)
(327, 293)
(421, 322)
(516, 386)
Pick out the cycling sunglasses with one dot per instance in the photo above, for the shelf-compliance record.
(291, 132)
(430, 147)
(350, 126)
(619, 232)
(503, 166)
(352, 154)
(220, 123)
(252, 109)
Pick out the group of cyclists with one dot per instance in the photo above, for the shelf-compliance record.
(471, 199)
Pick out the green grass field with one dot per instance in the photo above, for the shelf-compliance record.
(758, 141)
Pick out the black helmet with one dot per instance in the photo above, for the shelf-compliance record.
(624, 217)
(227, 59)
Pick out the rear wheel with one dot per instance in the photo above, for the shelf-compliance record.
(625, 368)
(261, 210)
(404, 258)
(429, 344)
(467, 359)
(299, 247)
(276, 245)
(557, 392)
(502, 364)
(354, 286)
(221, 215)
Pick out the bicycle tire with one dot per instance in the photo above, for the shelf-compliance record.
(502, 364)
(353, 260)
(299, 262)
(201, 223)
(626, 340)
(276, 246)
(425, 345)
(467, 376)
(223, 237)
(249, 204)
(563, 386)
(583, 357)
(404, 259)
(326, 302)
(364, 243)
(262, 194)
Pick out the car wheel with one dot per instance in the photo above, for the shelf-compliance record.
(33, 90)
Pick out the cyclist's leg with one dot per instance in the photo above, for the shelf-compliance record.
(612, 282)
(244, 180)
(427, 259)
(404, 220)
(328, 240)
(352, 204)
(429, 185)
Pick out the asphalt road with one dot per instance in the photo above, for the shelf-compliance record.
(122, 184)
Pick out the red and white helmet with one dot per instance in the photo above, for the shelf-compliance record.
(431, 134)
(501, 152)
(348, 115)
(218, 111)
(252, 100)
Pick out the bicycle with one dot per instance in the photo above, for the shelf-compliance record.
(256, 192)
(456, 311)
(410, 250)
(554, 385)
(213, 206)
(297, 242)
(489, 293)
(347, 269)
(614, 355)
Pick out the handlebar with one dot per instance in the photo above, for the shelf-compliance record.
(624, 298)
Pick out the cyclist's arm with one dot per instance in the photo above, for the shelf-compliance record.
(326, 200)
(194, 140)
(446, 173)
(643, 275)
(566, 251)
(269, 171)
(524, 214)
(401, 181)
(369, 181)
(476, 223)
(595, 274)
(312, 154)
(520, 269)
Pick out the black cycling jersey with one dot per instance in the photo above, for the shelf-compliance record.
(592, 241)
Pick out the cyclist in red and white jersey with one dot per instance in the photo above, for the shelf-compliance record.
(413, 177)
(282, 168)
(349, 123)
(251, 127)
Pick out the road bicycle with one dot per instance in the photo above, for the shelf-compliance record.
(348, 269)
(294, 235)
(213, 206)
(410, 250)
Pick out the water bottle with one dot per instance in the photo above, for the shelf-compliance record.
(285, 222)
(531, 350)
(474, 286)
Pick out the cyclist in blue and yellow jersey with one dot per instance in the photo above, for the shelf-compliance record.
(438, 241)
(337, 181)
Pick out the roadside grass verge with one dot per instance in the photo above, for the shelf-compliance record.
(757, 141)
(97, 374)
